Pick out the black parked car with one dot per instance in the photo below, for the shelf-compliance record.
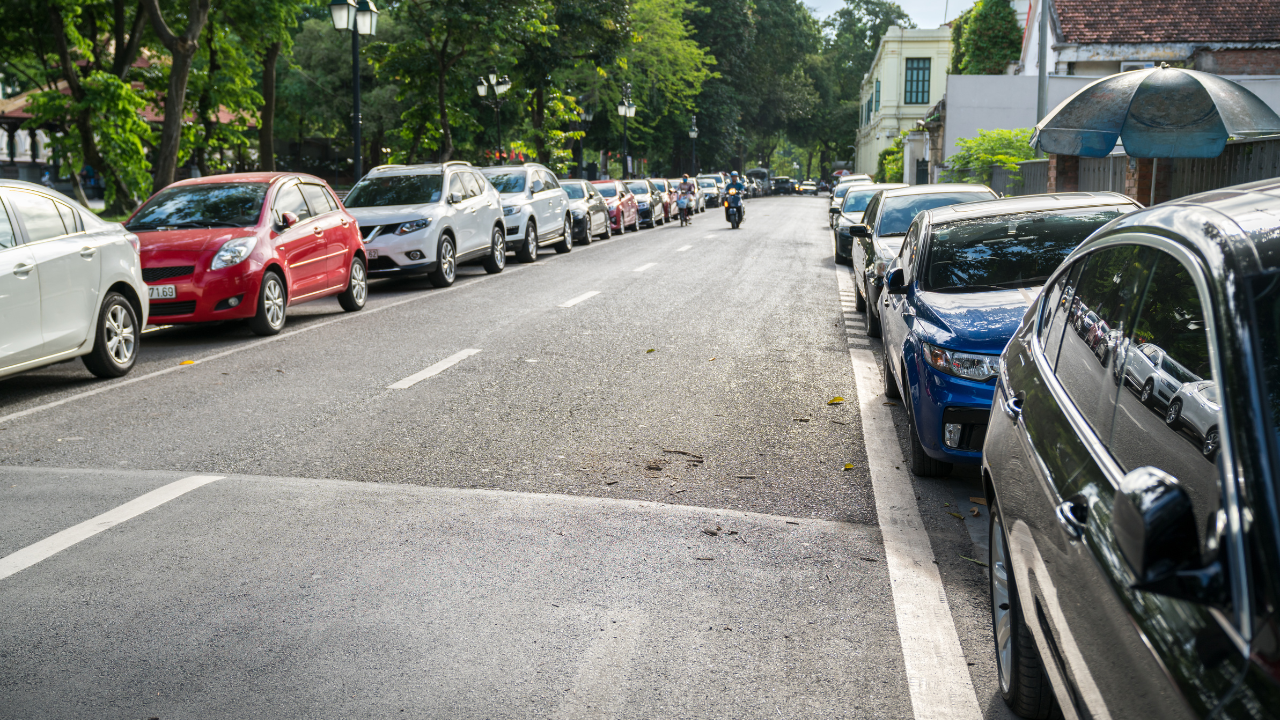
(1135, 552)
(589, 212)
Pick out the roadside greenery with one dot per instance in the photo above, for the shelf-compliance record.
(889, 164)
(977, 156)
(985, 39)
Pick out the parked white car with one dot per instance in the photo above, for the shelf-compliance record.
(428, 218)
(1197, 407)
(534, 207)
(70, 285)
(1154, 375)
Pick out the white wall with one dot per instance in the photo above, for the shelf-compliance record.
(1007, 102)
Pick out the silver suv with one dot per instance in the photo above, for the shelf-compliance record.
(534, 207)
(428, 218)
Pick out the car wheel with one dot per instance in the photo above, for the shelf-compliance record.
(115, 342)
(607, 231)
(872, 320)
(497, 258)
(1209, 448)
(589, 233)
(273, 305)
(357, 292)
(566, 242)
(859, 302)
(529, 248)
(447, 268)
(1173, 416)
(890, 384)
(635, 226)
(1023, 683)
(921, 463)
(1147, 390)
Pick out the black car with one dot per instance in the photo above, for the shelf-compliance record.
(590, 214)
(1135, 552)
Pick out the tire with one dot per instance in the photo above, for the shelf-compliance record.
(1209, 448)
(1148, 391)
(446, 266)
(890, 384)
(921, 463)
(357, 292)
(115, 340)
(566, 241)
(635, 226)
(273, 305)
(1173, 416)
(872, 320)
(1023, 682)
(528, 251)
(496, 260)
(860, 302)
(588, 235)
(607, 232)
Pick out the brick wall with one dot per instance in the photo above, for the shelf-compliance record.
(1238, 62)
(1064, 173)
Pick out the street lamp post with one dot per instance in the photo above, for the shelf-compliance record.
(693, 140)
(362, 18)
(499, 85)
(626, 109)
(584, 122)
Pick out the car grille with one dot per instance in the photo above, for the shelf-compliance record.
(150, 275)
(186, 307)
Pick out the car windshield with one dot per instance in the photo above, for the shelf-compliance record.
(702, 182)
(574, 191)
(896, 213)
(417, 189)
(609, 190)
(1177, 372)
(662, 184)
(841, 190)
(1007, 251)
(856, 202)
(196, 206)
(639, 188)
(507, 182)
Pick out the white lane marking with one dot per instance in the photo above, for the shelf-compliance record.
(686, 247)
(436, 369)
(580, 298)
(644, 267)
(937, 674)
(599, 688)
(34, 553)
(259, 343)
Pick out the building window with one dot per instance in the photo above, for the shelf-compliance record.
(917, 81)
(877, 96)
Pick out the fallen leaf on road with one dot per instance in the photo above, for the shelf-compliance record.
(653, 466)
(800, 419)
(731, 532)
(704, 558)
(974, 512)
(976, 562)
(610, 482)
(696, 457)
(980, 501)
(835, 400)
(745, 477)
(187, 362)
(869, 559)
(712, 533)
(848, 466)
(839, 422)
(891, 404)
(650, 350)
(792, 522)
(956, 514)
(711, 360)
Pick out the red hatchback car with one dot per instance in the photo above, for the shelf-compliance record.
(247, 245)
(623, 211)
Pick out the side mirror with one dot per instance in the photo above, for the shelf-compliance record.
(1156, 530)
(834, 210)
(860, 231)
(455, 198)
(289, 219)
(537, 186)
(896, 282)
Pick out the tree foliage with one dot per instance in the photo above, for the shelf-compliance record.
(1005, 148)
(991, 38)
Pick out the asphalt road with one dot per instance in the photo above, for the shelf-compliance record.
(634, 506)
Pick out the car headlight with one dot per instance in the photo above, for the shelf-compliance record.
(233, 252)
(413, 226)
(969, 366)
(512, 210)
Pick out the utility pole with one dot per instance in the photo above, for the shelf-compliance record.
(1042, 99)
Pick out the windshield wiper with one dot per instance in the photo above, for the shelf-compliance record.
(201, 224)
(1007, 285)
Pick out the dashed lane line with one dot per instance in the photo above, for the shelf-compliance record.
(580, 298)
(644, 267)
(434, 370)
(937, 674)
(686, 247)
(56, 543)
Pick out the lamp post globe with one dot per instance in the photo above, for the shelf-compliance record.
(693, 140)
(362, 19)
(499, 86)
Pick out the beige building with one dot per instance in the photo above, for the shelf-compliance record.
(907, 77)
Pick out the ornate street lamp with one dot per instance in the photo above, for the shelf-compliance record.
(583, 124)
(362, 18)
(693, 140)
(626, 109)
(499, 86)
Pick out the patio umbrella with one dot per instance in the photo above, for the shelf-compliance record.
(1161, 112)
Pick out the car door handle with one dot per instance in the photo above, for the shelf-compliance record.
(23, 269)
(318, 230)
(1072, 514)
(1013, 407)
(345, 222)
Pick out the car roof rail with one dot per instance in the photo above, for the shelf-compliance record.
(458, 162)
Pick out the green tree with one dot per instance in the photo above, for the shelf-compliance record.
(1005, 148)
(957, 42)
(991, 38)
(182, 46)
(889, 164)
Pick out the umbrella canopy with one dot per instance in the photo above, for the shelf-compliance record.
(839, 173)
(1162, 112)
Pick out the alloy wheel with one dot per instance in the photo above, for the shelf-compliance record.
(1210, 445)
(120, 335)
(1146, 392)
(531, 243)
(1001, 610)
(499, 249)
(448, 263)
(359, 283)
(273, 300)
(1175, 410)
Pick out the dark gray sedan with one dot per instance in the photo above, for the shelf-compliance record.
(590, 215)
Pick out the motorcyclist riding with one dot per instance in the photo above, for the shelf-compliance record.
(734, 200)
(687, 198)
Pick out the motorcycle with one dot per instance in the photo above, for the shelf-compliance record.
(733, 208)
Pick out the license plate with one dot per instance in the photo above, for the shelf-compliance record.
(161, 292)
(372, 252)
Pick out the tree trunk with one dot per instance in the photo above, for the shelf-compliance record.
(267, 118)
(539, 120)
(182, 48)
(446, 138)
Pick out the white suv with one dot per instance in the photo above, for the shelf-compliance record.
(427, 219)
(535, 207)
(70, 285)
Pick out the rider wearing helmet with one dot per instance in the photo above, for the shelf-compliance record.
(688, 191)
(735, 183)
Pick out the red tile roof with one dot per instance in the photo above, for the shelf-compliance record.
(1157, 21)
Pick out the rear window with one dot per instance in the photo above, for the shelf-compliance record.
(706, 183)
(574, 191)
(507, 182)
(212, 205)
(609, 190)
(898, 212)
(857, 201)
(639, 188)
(396, 190)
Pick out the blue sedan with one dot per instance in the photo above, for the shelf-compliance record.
(956, 294)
